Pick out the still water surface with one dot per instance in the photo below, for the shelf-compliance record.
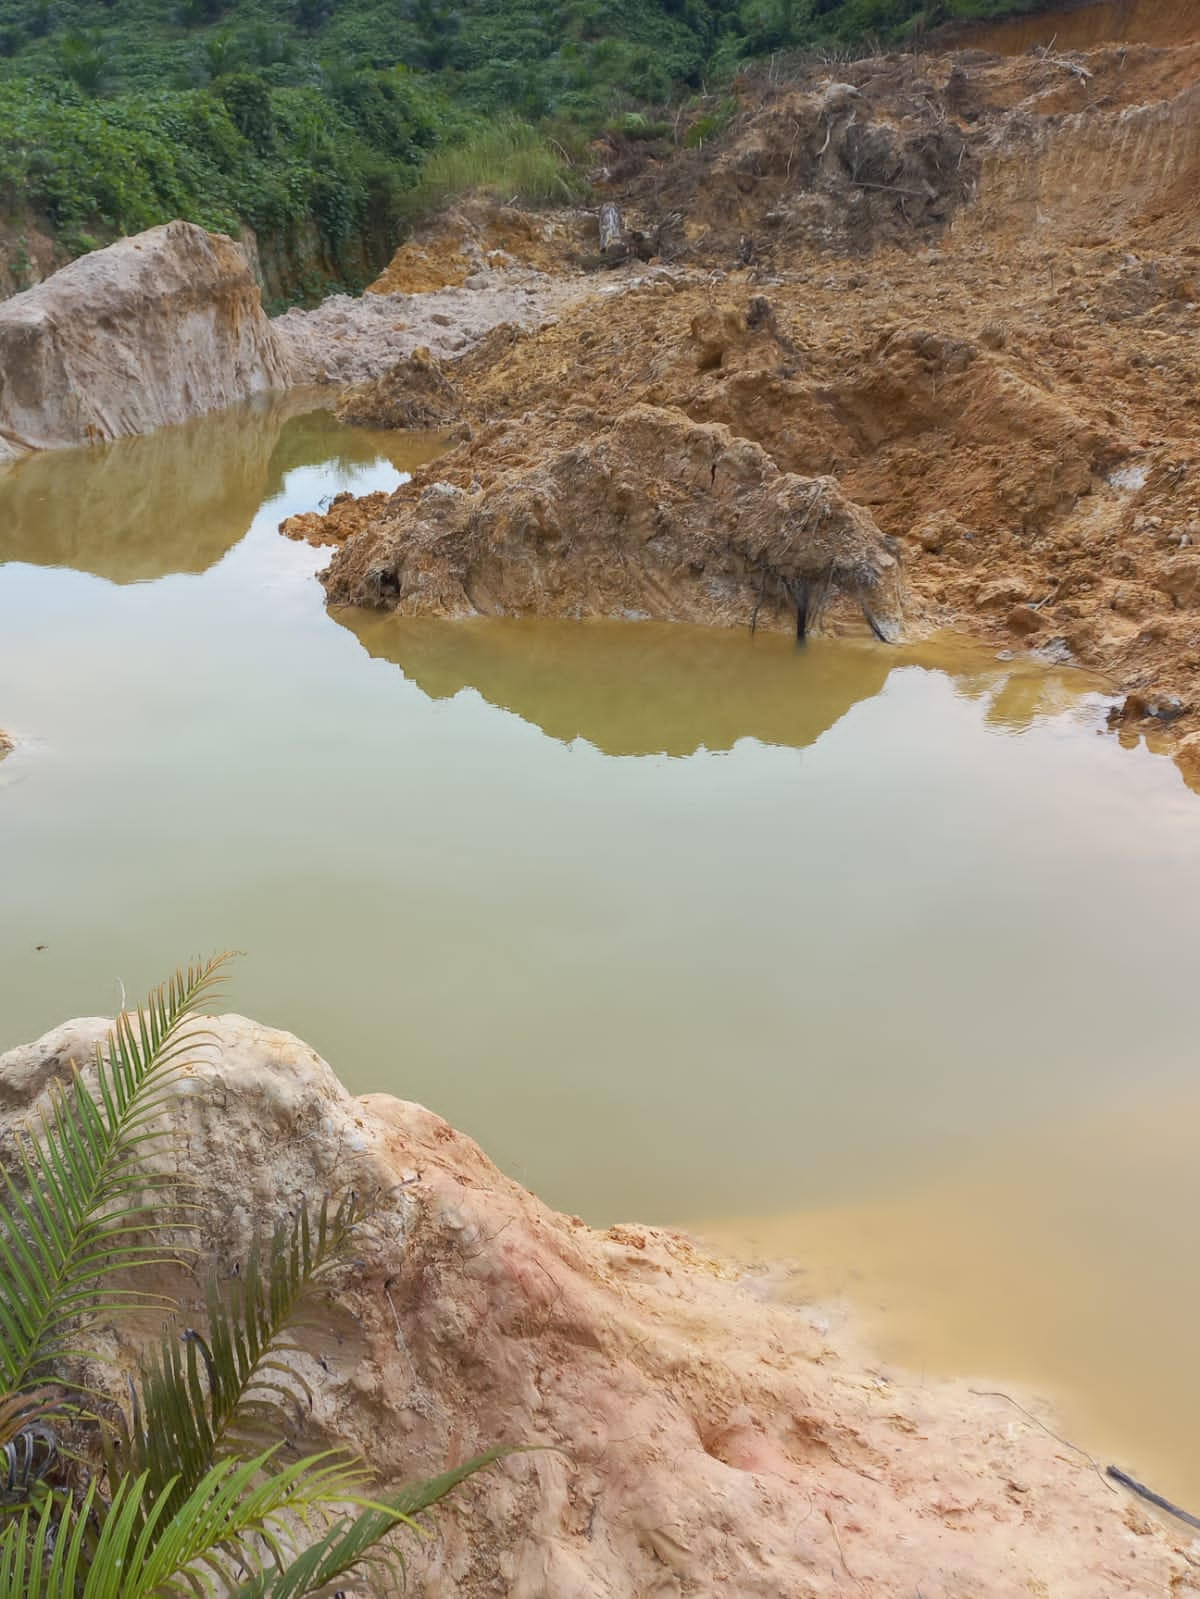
(883, 957)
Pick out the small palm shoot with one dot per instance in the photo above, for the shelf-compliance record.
(192, 1497)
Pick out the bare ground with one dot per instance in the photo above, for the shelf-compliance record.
(966, 286)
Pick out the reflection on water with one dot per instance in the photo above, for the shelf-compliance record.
(681, 925)
(630, 690)
(178, 499)
(657, 688)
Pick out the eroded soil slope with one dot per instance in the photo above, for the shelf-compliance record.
(967, 286)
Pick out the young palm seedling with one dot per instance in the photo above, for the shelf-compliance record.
(187, 1493)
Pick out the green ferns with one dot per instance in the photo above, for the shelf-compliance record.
(185, 1494)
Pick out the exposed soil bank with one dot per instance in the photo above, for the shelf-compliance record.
(1090, 22)
(705, 1440)
(1003, 376)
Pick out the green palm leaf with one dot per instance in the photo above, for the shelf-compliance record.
(192, 1504)
(80, 1208)
(354, 1542)
(241, 1516)
(230, 1393)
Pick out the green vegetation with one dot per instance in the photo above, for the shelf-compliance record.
(240, 152)
(311, 120)
(185, 1492)
(508, 159)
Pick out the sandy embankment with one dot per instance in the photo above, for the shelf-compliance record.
(704, 1440)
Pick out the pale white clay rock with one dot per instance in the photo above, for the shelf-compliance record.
(705, 1441)
(155, 329)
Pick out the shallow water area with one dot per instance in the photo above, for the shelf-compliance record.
(683, 925)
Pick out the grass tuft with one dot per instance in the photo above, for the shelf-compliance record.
(508, 160)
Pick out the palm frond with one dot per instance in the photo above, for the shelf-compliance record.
(240, 1515)
(233, 1391)
(357, 1541)
(29, 1444)
(193, 1504)
(80, 1208)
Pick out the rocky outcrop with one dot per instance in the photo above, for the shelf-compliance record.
(647, 515)
(700, 1439)
(155, 329)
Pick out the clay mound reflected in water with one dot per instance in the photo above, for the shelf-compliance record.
(660, 688)
(176, 500)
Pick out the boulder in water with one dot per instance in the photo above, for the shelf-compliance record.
(155, 329)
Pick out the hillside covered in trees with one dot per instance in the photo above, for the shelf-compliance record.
(313, 121)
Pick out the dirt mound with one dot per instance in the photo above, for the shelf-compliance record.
(479, 236)
(841, 166)
(345, 517)
(415, 393)
(990, 428)
(649, 515)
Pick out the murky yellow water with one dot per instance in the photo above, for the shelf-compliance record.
(883, 957)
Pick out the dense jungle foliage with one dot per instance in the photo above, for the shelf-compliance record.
(319, 114)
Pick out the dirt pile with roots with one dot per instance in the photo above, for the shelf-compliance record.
(415, 393)
(648, 515)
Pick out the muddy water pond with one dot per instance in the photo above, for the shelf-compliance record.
(881, 958)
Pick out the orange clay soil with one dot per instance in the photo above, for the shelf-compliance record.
(477, 236)
(966, 286)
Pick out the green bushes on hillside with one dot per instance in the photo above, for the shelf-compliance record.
(242, 152)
